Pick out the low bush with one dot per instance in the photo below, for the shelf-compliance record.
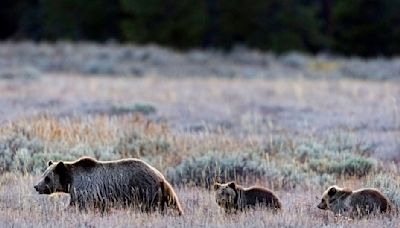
(242, 167)
(350, 165)
(143, 108)
(389, 185)
(16, 151)
(215, 166)
(353, 166)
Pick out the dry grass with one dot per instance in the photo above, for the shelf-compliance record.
(22, 207)
(287, 125)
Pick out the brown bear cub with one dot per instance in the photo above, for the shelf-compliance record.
(357, 203)
(101, 184)
(233, 197)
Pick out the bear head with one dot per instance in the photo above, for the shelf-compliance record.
(333, 197)
(226, 194)
(54, 179)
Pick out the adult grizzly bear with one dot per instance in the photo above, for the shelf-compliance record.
(233, 197)
(357, 203)
(101, 184)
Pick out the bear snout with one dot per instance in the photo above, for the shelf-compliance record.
(322, 206)
(41, 190)
(36, 187)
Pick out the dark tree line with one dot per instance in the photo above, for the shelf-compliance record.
(361, 27)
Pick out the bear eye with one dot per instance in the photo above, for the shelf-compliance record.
(47, 179)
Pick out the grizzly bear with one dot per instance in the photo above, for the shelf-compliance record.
(357, 203)
(102, 184)
(233, 197)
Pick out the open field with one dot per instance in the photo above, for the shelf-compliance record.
(295, 134)
(23, 208)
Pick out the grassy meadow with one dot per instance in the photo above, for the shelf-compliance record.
(295, 124)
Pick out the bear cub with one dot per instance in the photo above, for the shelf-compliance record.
(233, 197)
(356, 203)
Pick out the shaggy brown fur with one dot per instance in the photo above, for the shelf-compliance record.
(233, 197)
(356, 203)
(101, 184)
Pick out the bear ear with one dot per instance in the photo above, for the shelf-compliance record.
(49, 163)
(60, 168)
(217, 186)
(332, 191)
(232, 185)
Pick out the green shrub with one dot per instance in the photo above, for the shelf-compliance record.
(338, 154)
(353, 166)
(319, 165)
(142, 108)
(350, 165)
(24, 153)
(16, 151)
(214, 166)
(245, 167)
(389, 185)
